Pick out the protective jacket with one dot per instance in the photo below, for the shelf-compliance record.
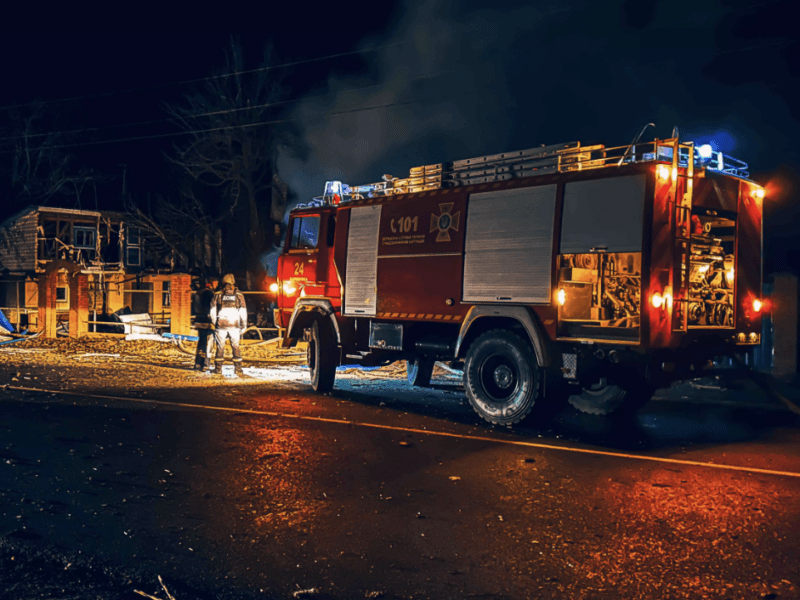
(228, 310)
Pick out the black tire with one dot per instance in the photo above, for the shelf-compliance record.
(607, 399)
(420, 371)
(502, 378)
(322, 357)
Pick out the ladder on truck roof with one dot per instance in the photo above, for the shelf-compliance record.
(483, 169)
(556, 158)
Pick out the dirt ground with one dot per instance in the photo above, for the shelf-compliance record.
(144, 364)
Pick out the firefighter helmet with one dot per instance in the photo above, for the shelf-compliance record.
(229, 279)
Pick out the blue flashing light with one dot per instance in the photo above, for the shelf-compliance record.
(705, 151)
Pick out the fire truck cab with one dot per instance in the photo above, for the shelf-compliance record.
(590, 274)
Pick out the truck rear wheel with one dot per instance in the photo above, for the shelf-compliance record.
(607, 399)
(321, 355)
(420, 371)
(503, 380)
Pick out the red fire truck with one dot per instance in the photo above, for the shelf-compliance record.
(585, 273)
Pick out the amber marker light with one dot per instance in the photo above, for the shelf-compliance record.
(562, 297)
(662, 171)
(757, 305)
(273, 288)
(758, 193)
(656, 300)
(667, 300)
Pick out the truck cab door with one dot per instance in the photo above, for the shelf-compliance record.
(298, 265)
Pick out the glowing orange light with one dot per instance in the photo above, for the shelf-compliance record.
(668, 300)
(273, 288)
(656, 300)
(674, 174)
(562, 297)
(662, 171)
(757, 305)
(758, 193)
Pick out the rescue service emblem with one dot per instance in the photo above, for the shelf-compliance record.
(445, 221)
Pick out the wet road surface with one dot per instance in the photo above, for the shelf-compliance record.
(381, 490)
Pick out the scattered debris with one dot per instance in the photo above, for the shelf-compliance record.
(166, 591)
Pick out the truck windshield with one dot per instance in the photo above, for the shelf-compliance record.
(305, 232)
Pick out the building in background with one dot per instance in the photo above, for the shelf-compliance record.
(124, 270)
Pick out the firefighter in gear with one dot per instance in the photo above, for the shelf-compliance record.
(203, 324)
(229, 317)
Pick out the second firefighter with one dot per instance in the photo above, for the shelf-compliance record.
(229, 316)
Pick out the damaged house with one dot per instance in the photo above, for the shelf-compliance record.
(66, 269)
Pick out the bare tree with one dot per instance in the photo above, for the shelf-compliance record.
(231, 151)
(40, 169)
(179, 231)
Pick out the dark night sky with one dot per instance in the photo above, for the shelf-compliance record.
(464, 79)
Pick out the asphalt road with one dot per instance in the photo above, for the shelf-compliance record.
(381, 490)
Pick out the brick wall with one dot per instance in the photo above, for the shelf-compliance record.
(47, 303)
(78, 304)
(181, 310)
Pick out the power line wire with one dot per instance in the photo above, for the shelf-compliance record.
(226, 111)
(209, 78)
(245, 125)
(267, 105)
(321, 115)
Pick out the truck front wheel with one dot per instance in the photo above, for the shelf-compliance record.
(503, 379)
(321, 356)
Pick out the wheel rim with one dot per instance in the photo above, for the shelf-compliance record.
(499, 378)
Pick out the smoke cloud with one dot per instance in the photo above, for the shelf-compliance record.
(452, 82)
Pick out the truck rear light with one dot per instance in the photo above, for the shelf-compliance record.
(662, 171)
(757, 305)
(758, 193)
(656, 300)
(273, 288)
(562, 297)
(662, 300)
